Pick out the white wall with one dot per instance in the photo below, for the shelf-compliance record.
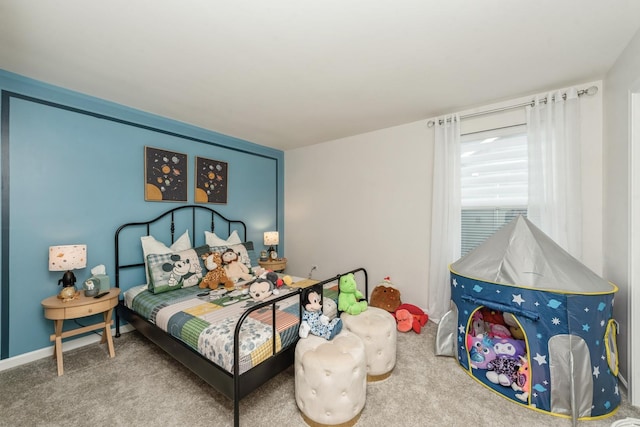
(363, 201)
(623, 76)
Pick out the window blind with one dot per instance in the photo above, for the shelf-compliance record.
(494, 183)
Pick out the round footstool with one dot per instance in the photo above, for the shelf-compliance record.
(330, 379)
(377, 329)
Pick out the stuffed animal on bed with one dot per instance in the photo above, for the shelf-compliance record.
(262, 288)
(349, 299)
(234, 269)
(216, 275)
(314, 321)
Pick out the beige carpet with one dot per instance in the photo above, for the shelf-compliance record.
(142, 386)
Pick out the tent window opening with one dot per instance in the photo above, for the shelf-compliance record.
(494, 182)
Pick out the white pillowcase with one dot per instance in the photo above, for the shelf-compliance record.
(152, 246)
(212, 240)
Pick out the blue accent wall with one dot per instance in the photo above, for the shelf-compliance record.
(73, 171)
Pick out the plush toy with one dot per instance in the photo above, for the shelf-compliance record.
(497, 331)
(234, 269)
(313, 320)
(261, 289)
(477, 324)
(503, 370)
(404, 320)
(349, 298)
(481, 351)
(522, 379)
(509, 347)
(409, 316)
(514, 327)
(216, 275)
(385, 297)
(492, 316)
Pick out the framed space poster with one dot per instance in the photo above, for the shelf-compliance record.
(165, 175)
(211, 181)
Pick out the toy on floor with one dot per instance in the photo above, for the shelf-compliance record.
(349, 299)
(385, 296)
(216, 275)
(409, 316)
(313, 319)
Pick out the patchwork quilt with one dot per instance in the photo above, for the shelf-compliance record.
(206, 323)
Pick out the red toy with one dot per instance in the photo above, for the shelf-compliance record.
(408, 317)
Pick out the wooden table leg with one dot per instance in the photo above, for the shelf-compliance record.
(57, 347)
(107, 332)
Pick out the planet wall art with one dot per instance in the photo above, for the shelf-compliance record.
(211, 181)
(165, 175)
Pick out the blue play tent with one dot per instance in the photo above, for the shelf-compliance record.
(534, 324)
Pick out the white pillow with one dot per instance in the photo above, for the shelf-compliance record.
(212, 240)
(152, 246)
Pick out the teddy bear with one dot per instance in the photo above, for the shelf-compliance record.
(216, 275)
(349, 299)
(385, 297)
(234, 269)
(313, 319)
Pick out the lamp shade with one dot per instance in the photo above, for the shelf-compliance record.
(67, 257)
(271, 238)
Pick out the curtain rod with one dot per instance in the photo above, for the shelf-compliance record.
(589, 91)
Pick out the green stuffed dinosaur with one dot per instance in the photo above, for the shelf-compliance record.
(349, 297)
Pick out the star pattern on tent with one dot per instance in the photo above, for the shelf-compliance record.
(536, 303)
(615, 390)
(602, 323)
(518, 299)
(555, 321)
(498, 291)
(540, 359)
(586, 327)
(455, 283)
(461, 329)
(596, 371)
(586, 309)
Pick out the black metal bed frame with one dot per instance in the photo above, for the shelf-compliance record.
(234, 386)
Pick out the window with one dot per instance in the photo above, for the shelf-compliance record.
(494, 182)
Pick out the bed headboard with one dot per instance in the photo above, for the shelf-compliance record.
(167, 227)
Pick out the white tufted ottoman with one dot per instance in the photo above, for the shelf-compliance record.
(377, 329)
(330, 379)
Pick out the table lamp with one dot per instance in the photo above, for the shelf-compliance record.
(67, 258)
(271, 238)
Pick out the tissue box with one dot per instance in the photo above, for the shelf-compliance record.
(105, 284)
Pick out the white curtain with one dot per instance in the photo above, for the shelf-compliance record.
(445, 214)
(555, 202)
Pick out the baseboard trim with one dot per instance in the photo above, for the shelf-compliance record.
(32, 356)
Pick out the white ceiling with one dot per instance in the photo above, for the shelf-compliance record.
(289, 73)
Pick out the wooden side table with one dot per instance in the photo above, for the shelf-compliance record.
(274, 265)
(82, 306)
